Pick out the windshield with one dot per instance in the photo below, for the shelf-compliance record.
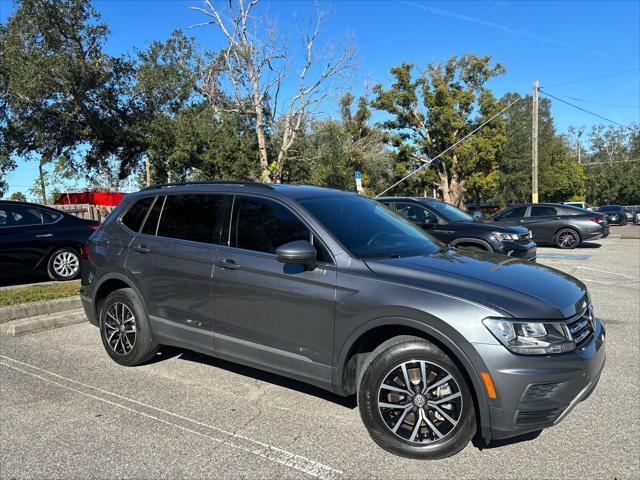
(450, 212)
(368, 229)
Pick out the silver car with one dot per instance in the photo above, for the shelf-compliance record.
(334, 289)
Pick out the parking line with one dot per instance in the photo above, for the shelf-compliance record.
(261, 449)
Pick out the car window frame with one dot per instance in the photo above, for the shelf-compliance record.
(60, 217)
(501, 216)
(293, 212)
(146, 215)
(531, 207)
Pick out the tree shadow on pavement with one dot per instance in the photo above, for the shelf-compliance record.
(166, 353)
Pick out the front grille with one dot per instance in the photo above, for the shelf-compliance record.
(523, 238)
(538, 416)
(581, 327)
(539, 391)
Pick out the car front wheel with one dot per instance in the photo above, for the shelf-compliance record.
(414, 401)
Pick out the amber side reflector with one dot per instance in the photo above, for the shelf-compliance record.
(488, 384)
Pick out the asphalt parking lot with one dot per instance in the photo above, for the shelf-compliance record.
(68, 411)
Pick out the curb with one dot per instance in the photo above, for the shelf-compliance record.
(34, 309)
(40, 323)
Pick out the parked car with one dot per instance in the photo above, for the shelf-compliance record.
(34, 239)
(454, 227)
(630, 214)
(584, 205)
(616, 214)
(554, 223)
(334, 289)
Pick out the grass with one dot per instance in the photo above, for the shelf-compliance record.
(38, 293)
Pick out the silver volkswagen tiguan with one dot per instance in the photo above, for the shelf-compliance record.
(334, 289)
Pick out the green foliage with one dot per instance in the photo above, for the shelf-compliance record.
(431, 111)
(612, 167)
(18, 197)
(329, 152)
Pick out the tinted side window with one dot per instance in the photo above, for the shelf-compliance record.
(3, 217)
(46, 215)
(19, 215)
(199, 218)
(517, 212)
(542, 211)
(415, 213)
(264, 225)
(151, 224)
(135, 215)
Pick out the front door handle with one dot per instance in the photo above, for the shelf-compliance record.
(227, 264)
(44, 235)
(141, 249)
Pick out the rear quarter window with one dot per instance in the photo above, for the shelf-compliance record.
(134, 216)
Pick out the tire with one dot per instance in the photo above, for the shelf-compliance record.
(384, 365)
(124, 329)
(567, 238)
(473, 248)
(64, 264)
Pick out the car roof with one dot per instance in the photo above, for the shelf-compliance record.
(29, 204)
(295, 192)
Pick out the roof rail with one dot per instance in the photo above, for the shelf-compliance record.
(246, 183)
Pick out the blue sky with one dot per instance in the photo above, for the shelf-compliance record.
(553, 42)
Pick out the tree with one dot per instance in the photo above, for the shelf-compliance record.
(18, 197)
(560, 176)
(63, 94)
(253, 69)
(612, 166)
(436, 109)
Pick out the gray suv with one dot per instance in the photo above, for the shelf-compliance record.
(336, 290)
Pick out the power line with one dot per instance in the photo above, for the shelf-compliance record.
(593, 78)
(614, 105)
(584, 110)
(609, 162)
(429, 162)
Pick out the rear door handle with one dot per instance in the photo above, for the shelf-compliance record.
(44, 235)
(227, 264)
(141, 249)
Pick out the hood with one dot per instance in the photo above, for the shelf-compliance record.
(519, 288)
(487, 226)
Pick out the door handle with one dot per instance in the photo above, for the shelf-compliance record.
(227, 264)
(141, 249)
(44, 235)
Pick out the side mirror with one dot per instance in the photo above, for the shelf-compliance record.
(477, 215)
(300, 252)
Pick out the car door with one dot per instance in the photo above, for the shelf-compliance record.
(268, 314)
(26, 236)
(171, 260)
(544, 222)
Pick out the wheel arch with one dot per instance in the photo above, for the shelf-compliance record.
(373, 333)
(109, 283)
(472, 241)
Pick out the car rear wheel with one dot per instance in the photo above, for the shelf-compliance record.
(125, 330)
(64, 264)
(414, 401)
(567, 238)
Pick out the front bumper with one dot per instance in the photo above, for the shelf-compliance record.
(538, 392)
(518, 250)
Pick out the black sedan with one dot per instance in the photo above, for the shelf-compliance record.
(553, 223)
(616, 214)
(452, 226)
(34, 239)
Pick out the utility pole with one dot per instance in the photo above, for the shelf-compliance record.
(534, 145)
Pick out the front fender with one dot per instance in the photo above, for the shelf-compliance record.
(461, 351)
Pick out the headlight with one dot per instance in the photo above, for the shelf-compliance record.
(502, 237)
(531, 338)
